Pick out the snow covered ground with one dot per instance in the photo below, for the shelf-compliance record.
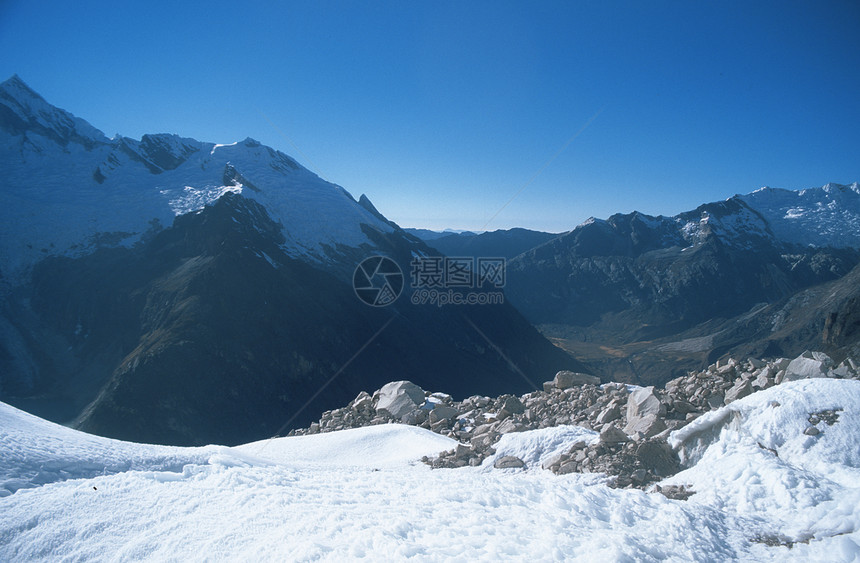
(68, 496)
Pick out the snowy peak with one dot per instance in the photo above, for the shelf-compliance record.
(825, 216)
(732, 221)
(67, 185)
(828, 216)
(23, 111)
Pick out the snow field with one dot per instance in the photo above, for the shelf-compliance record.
(362, 494)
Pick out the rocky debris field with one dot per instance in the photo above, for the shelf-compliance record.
(633, 422)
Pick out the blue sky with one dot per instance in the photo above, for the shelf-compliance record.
(441, 112)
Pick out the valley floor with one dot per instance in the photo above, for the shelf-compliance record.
(764, 491)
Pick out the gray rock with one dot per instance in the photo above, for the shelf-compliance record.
(613, 435)
(443, 412)
(512, 405)
(658, 456)
(715, 400)
(509, 462)
(646, 426)
(569, 466)
(740, 390)
(566, 379)
(806, 366)
(642, 404)
(609, 414)
(557, 459)
(362, 401)
(484, 440)
(510, 425)
(683, 407)
(812, 431)
(399, 398)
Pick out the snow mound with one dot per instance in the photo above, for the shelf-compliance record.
(760, 457)
(36, 452)
(372, 446)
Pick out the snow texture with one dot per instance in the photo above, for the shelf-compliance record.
(760, 485)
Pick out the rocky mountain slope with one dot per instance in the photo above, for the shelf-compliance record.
(615, 291)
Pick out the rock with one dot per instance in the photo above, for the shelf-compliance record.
(659, 457)
(556, 460)
(509, 462)
(715, 400)
(674, 492)
(443, 412)
(806, 366)
(812, 431)
(646, 426)
(683, 407)
(566, 379)
(569, 466)
(609, 414)
(362, 401)
(399, 398)
(414, 417)
(512, 405)
(613, 435)
(548, 386)
(510, 425)
(484, 440)
(740, 390)
(764, 380)
(641, 404)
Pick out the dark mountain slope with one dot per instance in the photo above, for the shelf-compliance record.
(210, 333)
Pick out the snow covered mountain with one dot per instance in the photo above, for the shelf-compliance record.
(179, 292)
(763, 488)
(69, 189)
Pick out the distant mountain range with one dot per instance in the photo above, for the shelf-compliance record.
(500, 243)
(173, 291)
(633, 293)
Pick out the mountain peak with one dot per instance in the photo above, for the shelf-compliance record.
(23, 111)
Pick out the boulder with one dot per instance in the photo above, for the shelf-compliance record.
(399, 398)
(646, 426)
(610, 413)
(643, 408)
(513, 405)
(443, 412)
(740, 390)
(566, 379)
(808, 365)
(362, 401)
(509, 462)
(613, 435)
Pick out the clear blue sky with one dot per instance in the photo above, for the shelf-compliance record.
(441, 112)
